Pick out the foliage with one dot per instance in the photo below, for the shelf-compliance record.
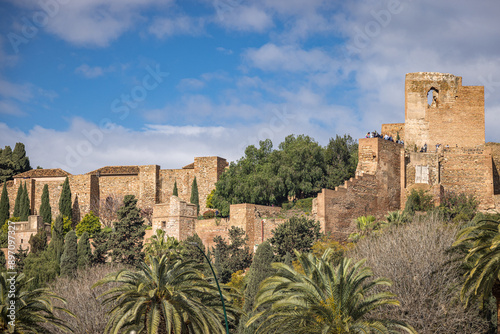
(161, 244)
(17, 203)
(24, 210)
(208, 214)
(337, 249)
(195, 198)
(175, 191)
(127, 238)
(427, 276)
(65, 207)
(191, 252)
(42, 268)
(13, 163)
(296, 233)
(259, 270)
(69, 258)
(341, 158)
(84, 252)
(418, 200)
(298, 169)
(57, 240)
(45, 209)
(90, 224)
(459, 207)
(365, 225)
(101, 246)
(108, 208)
(3, 262)
(4, 205)
(170, 297)
(237, 282)
(210, 198)
(33, 308)
(20, 258)
(38, 242)
(232, 256)
(324, 299)
(75, 213)
(398, 218)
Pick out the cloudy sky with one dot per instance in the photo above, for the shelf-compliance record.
(90, 83)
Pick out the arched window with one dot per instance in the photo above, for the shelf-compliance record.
(432, 97)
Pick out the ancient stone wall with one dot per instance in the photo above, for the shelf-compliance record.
(393, 130)
(177, 218)
(184, 178)
(207, 171)
(24, 231)
(454, 117)
(495, 153)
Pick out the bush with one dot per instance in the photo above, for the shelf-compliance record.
(425, 276)
(418, 200)
(458, 207)
(208, 214)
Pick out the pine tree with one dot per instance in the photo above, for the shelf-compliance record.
(69, 258)
(100, 242)
(259, 271)
(84, 253)
(65, 200)
(17, 203)
(195, 198)
(45, 209)
(57, 240)
(127, 239)
(175, 192)
(25, 205)
(4, 206)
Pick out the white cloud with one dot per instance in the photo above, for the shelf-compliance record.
(180, 25)
(245, 18)
(224, 50)
(10, 108)
(91, 72)
(271, 57)
(190, 84)
(18, 92)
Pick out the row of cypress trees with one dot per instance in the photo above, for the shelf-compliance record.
(22, 208)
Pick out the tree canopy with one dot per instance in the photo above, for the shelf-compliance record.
(13, 162)
(299, 168)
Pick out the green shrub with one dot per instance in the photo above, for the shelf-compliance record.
(459, 207)
(208, 214)
(418, 200)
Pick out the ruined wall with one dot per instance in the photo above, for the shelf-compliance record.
(393, 130)
(375, 190)
(456, 110)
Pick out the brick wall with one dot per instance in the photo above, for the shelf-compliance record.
(393, 130)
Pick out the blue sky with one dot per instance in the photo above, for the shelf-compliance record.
(90, 83)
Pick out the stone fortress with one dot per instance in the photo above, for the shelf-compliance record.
(386, 172)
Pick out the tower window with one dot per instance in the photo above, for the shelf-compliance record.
(432, 96)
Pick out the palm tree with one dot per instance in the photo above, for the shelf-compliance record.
(160, 244)
(32, 307)
(165, 296)
(482, 243)
(324, 299)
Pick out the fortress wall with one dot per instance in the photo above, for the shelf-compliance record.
(84, 186)
(184, 178)
(207, 171)
(11, 192)
(149, 177)
(460, 122)
(118, 185)
(393, 130)
(471, 173)
(55, 188)
(495, 152)
(428, 160)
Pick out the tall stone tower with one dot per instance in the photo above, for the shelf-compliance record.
(439, 110)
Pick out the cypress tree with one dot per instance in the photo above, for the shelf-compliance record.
(17, 203)
(84, 253)
(25, 204)
(20, 160)
(45, 209)
(38, 242)
(65, 200)
(195, 198)
(259, 271)
(175, 192)
(4, 206)
(3, 263)
(69, 258)
(127, 239)
(57, 240)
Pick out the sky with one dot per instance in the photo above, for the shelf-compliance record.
(92, 83)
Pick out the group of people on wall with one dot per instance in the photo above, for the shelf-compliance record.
(375, 134)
